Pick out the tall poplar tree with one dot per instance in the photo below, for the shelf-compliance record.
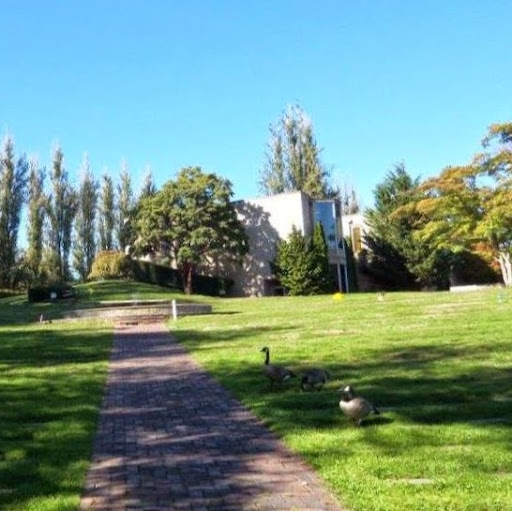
(13, 187)
(148, 188)
(61, 207)
(106, 217)
(36, 216)
(125, 211)
(85, 223)
(293, 161)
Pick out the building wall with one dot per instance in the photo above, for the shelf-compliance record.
(267, 220)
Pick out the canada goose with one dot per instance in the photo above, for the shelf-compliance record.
(356, 408)
(314, 379)
(274, 373)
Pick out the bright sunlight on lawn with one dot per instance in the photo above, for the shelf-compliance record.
(439, 365)
(52, 377)
(51, 383)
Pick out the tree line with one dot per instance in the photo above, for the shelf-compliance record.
(424, 232)
(187, 221)
(66, 224)
(419, 230)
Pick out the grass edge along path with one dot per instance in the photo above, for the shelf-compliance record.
(439, 364)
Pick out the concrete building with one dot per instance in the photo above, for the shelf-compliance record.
(268, 220)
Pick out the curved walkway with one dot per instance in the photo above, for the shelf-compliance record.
(170, 438)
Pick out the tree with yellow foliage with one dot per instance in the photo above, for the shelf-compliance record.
(471, 204)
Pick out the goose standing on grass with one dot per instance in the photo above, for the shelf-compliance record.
(314, 379)
(356, 408)
(275, 373)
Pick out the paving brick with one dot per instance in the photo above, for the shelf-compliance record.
(156, 450)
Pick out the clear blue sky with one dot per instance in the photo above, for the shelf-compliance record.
(175, 83)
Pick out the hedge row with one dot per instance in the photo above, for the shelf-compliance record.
(45, 293)
(144, 271)
(111, 264)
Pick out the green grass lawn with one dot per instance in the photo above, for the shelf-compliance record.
(439, 365)
(92, 293)
(51, 382)
(16, 310)
(52, 377)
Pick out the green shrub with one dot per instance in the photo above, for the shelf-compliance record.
(151, 273)
(110, 264)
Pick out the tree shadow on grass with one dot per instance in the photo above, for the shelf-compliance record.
(206, 340)
(49, 346)
(407, 382)
(51, 389)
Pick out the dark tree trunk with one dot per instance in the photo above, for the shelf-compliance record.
(187, 270)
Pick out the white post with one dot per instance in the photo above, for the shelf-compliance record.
(174, 310)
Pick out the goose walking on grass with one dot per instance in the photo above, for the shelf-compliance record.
(314, 379)
(275, 373)
(355, 407)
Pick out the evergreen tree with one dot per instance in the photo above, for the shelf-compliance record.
(36, 216)
(293, 264)
(106, 217)
(61, 207)
(320, 268)
(397, 259)
(302, 264)
(13, 189)
(125, 211)
(293, 162)
(85, 223)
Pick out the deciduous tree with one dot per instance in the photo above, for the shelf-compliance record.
(84, 249)
(36, 215)
(148, 188)
(61, 209)
(470, 204)
(125, 211)
(293, 158)
(13, 188)
(106, 215)
(190, 220)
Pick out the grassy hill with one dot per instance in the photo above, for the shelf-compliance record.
(52, 377)
(437, 364)
(17, 310)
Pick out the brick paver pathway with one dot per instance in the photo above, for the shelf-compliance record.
(170, 438)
